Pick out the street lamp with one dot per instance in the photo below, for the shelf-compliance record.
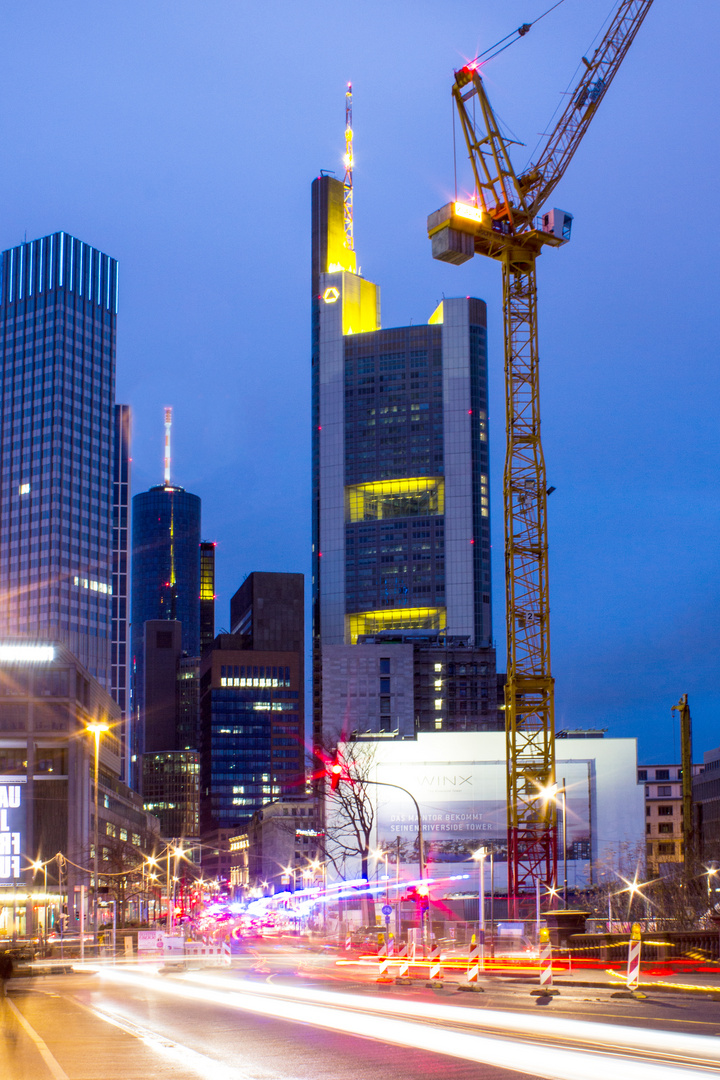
(552, 792)
(39, 865)
(479, 856)
(96, 728)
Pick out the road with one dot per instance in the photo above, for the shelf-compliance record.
(130, 1023)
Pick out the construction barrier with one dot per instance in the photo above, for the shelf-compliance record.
(348, 941)
(198, 950)
(545, 959)
(435, 962)
(407, 954)
(383, 962)
(633, 965)
(473, 967)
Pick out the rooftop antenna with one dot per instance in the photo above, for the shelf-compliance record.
(348, 179)
(168, 425)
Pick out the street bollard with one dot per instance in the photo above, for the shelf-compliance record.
(473, 961)
(633, 966)
(546, 977)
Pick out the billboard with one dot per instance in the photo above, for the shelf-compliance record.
(12, 820)
(463, 808)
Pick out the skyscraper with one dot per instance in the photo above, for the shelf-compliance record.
(120, 576)
(401, 517)
(58, 310)
(166, 570)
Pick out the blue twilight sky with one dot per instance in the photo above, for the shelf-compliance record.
(181, 137)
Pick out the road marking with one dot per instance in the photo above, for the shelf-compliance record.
(52, 1063)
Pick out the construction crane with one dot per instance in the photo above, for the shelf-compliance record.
(503, 223)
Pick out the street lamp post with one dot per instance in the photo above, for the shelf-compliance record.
(552, 792)
(96, 728)
(38, 865)
(479, 855)
(421, 846)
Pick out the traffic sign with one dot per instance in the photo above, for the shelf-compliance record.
(386, 909)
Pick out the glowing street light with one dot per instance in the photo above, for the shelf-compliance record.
(96, 728)
(479, 856)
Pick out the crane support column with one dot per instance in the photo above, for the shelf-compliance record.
(529, 692)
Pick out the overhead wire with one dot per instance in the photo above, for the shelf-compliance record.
(521, 31)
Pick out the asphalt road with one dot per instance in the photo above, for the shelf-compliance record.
(126, 1023)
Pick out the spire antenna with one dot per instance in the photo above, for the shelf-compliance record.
(168, 425)
(348, 180)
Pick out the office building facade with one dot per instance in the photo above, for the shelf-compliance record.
(251, 748)
(207, 594)
(120, 655)
(58, 312)
(166, 575)
(401, 514)
(47, 699)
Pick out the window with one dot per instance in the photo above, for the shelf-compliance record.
(385, 665)
(666, 849)
(662, 774)
(384, 686)
(642, 774)
(648, 827)
(665, 827)
(664, 791)
(665, 811)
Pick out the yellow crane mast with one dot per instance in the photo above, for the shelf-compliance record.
(503, 223)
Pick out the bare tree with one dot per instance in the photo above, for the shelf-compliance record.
(350, 811)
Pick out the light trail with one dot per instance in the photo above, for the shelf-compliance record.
(355, 1015)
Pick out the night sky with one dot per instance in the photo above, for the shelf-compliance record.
(182, 137)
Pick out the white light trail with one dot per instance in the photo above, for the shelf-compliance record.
(355, 1015)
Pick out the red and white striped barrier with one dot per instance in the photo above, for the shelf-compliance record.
(407, 954)
(435, 962)
(226, 952)
(473, 967)
(348, 941)
(546, 977)
(383, 962)
(633, 965)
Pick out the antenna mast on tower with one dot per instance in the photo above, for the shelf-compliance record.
(168, 425)
(348, 180)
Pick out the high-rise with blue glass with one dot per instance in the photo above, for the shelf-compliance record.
(401, 514)
(58, 310)
(166, 576)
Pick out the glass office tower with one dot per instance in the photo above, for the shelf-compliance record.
(120, 687)
(58, 310)
(401, 514)
(166, 574)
